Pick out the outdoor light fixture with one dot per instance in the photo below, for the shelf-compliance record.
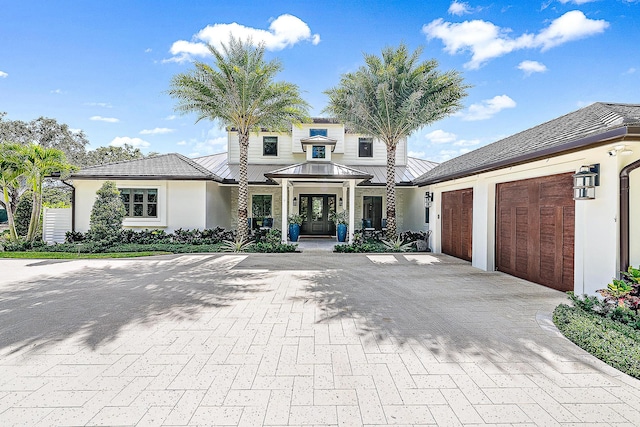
(428, 199)
(340, 202)
(619, 149)
(585, 182)
(295, 201)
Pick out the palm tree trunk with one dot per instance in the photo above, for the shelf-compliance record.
(243, 187)
(35, 213)
(391, 191)
(13, 236)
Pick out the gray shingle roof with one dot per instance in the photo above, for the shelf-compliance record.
(595, 123)
(165, 166)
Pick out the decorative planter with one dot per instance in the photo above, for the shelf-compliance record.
(294, 232)
(342, 232)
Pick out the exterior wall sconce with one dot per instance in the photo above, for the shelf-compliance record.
(585, 182)
(428, 199)
(295, 201)
(340, 202)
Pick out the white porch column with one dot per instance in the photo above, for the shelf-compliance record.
(285, 209)
(344, 198)
(352, 208)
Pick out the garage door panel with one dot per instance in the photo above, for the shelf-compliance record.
(457, 217)
(535, 230)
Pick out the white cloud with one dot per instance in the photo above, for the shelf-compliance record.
(57, 91)
(104, 119)
(576, 1)
(530, 67)
(3, 75)
(417, 154)
(181, 143)
(439, 136)
(631, 70)
(119, 141)
(487, 108)
(156, 131)
(99, 104)
(445, 155)
(171, 117)
(148, 50)
(459, 8)
(285, 30)
(214, 141)
(487, 41)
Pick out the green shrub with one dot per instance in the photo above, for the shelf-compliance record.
(23, 213)
(614, 343)
(107, 213)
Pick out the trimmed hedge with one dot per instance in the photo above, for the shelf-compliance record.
(614, 343)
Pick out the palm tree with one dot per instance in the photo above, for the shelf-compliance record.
(240, 92)
(389, 98)
(40, 162)
(10, 170)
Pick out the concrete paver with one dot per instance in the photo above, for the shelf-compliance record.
(298, 339)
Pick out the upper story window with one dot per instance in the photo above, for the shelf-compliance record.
(317, 132)
(270, 146)
(365, 147)
(319, 152)
(140, 202)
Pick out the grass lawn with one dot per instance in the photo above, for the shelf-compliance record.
(74, 255)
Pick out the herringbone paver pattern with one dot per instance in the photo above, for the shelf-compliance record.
(319, 339)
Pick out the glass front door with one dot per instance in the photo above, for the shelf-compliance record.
(315, 209)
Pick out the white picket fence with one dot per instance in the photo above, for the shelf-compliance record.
(55, 223)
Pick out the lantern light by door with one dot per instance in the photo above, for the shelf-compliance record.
(428, 199)
(585, 182)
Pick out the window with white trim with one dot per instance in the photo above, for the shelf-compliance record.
(270, 146)
(140, 202)
(365, 147)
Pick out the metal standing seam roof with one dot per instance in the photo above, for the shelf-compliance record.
(590, 125)
(326, 170)
(405, 175)
(165, 166)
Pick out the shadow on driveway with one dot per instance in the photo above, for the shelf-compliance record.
(98, 302)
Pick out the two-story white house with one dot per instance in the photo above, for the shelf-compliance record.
(316, 168)
(511, 206)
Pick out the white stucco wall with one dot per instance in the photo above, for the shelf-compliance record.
(634, 215)
(218, 206)
(181, 204)
(596, 230)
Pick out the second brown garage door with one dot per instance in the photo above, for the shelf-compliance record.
(535, 226)
(457, 223)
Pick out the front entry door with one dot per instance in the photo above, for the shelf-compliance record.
(314, 209)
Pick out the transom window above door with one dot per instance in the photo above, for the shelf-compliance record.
(317, 132)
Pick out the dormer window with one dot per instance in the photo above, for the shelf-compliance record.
(317, 132)
(319, 152)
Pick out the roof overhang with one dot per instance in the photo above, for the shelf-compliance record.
(318, 140)
(614, 135)
(318, 172)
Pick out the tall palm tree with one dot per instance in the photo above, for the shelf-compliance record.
(11, 168)
(239, 90)
(392, 96)
(40, 162)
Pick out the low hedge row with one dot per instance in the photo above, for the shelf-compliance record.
(614, 343)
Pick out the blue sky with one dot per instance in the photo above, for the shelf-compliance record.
(105, 66)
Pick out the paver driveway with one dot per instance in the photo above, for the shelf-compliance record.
(297, 339)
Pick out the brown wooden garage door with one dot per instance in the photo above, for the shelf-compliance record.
(457, 223)
(535, 230)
